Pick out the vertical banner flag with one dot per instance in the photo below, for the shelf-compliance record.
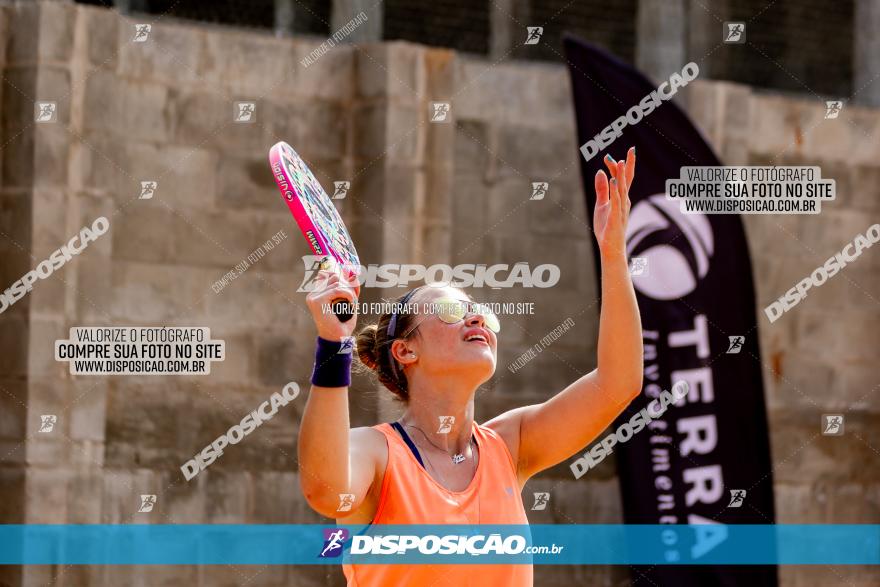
(706, 460)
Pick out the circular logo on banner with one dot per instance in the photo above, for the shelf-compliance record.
(676, 246)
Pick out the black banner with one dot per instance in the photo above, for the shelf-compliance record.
(693, 280)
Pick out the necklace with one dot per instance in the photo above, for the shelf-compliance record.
(462, 510)
(457, 458)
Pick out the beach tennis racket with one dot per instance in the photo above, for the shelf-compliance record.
(317, 218)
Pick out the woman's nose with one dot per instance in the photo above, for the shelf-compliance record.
(475, 320)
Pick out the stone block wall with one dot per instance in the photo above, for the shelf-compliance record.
(421, 192)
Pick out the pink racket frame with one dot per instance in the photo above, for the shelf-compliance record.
(342, 251)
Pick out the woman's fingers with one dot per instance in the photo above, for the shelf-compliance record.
(622, 189)
(614, 195)
(601, 183)
(630, 166)
(611, 164)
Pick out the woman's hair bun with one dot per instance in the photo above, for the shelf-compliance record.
(368, 347)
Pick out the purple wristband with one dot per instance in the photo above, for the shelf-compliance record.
(333, 362)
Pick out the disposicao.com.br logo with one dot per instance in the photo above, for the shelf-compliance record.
(497, 276)
(432, 544)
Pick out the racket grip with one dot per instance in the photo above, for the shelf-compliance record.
(342, 315)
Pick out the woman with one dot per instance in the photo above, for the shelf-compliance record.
(435, 464)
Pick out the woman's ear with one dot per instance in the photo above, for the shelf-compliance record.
(403, 353)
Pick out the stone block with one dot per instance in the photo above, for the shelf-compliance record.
(185, 501)
(440, 69)
(226, 307)
(199, 115)
(862, 287)
(394, 70)
(5, 17)
(863, 126)
(532, 152)
(846, 345)
(53, 85)
(207, 120)
(778, 125)
(585, 502)
(855, 387)
(172, 53)
(509, 207)
(514, 92)
(801, 452)
(13, 409)
(155, 294)
(46, 496)
(437, 242)
(862, 192)
(14, 327)
(103, 103)
(330, 77)
(369, 129)
(166, 444)
(284, 121)
(144, 233)
(229, 62)
(12, 490)
(226, 498)
(403, 191)
(48, 297)
(84, 496)
(278, 500)
(704, 109)
(472, 158)
(16, 213)
(325, 130)
(281, 359)
(50, 231)
(576, 265)
(18, 98)
(97, 166)
(102, 34)
(145, 112)
(469, 220)
(804, 381)
(186, 176)
(823, 236)
(56, 31)
(41, 348)
(23, 48)
(440, 140)
(18, 158)
(92, 296)
(134, 575)
(87, 409)
(406, 133)
(563, 212)
(215, 239)
(239, 363)
(51, 150)
(285, 256)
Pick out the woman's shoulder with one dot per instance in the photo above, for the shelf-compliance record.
(504, 431)
(371, 438)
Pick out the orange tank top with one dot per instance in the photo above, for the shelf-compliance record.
(409, 495)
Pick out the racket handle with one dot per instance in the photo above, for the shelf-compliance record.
(342, 315)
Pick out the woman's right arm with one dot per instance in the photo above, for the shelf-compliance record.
(330, 464)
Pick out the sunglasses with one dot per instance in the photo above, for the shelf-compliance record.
(451, 310)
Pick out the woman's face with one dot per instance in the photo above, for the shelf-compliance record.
(443, 348)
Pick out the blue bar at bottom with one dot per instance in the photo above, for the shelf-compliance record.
(568, 544)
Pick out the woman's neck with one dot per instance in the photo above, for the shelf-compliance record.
(441, 423)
